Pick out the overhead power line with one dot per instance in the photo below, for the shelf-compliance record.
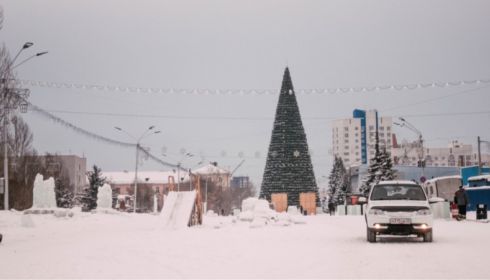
(206, 91)
(97, 137)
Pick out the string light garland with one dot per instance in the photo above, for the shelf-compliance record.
(198, 91)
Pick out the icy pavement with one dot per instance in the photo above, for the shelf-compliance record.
(136, 246)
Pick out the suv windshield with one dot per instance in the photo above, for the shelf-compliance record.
(397, 192)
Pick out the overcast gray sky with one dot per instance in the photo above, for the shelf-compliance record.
(246, 45)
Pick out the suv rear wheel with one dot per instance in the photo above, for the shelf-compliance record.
(371, 235)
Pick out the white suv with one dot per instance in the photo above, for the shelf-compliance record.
(398, 208)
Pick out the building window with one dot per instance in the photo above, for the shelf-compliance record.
(346, 135)
(371, 127)
(381, 128)
(346, 128)
(356, 128)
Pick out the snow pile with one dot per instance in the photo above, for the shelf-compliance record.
(43, 193)
(283, 219)
(295, 216)
(177, 209)
(104, 197)
(249, 204)
(258, 212)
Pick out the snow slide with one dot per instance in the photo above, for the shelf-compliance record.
(177, 209)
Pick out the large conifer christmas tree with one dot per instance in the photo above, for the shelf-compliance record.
(288, 168)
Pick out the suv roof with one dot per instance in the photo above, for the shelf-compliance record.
(398, 182)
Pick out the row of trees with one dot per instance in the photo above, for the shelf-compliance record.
(380, 169)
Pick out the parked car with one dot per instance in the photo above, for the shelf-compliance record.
(398, 208)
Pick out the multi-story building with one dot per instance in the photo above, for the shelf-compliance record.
(71, 167)
(240, 182)
(354, 138)
(455, 154)
(219, 176)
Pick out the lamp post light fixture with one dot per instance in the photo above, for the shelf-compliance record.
(149, 131)
(22, 93)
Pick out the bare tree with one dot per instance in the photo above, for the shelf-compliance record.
(1, 17)
(20, 140)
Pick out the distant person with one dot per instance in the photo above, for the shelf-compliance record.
(331, 208)
(461, 199)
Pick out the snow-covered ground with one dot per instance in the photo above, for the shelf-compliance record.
(105, 245)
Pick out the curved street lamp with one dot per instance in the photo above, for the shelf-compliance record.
(149, 131)
(3, 81)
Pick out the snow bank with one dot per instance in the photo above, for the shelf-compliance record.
(43, 193)
(104, 197)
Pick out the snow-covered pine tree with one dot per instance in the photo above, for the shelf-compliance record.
(374, 170)
(333, 181)
(344, 182)
(387, 172)
(338, 182)
(380, 168)
(288, 167)
(64, 197)
(89, 199)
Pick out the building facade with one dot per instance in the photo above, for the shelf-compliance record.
(456, 154)
(353, 139)
(219, 176)
(71, 167)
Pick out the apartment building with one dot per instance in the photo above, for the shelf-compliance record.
(353, 139)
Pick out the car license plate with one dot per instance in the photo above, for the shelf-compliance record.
(400, 221)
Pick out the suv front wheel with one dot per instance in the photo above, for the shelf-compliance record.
(428, 236)
(371, 235)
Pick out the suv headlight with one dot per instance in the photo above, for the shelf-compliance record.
(424, 212)
(376, 212)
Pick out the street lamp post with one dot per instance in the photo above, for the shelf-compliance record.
(411, 127)
(205, 210)
(138, 147)
(4, 86)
